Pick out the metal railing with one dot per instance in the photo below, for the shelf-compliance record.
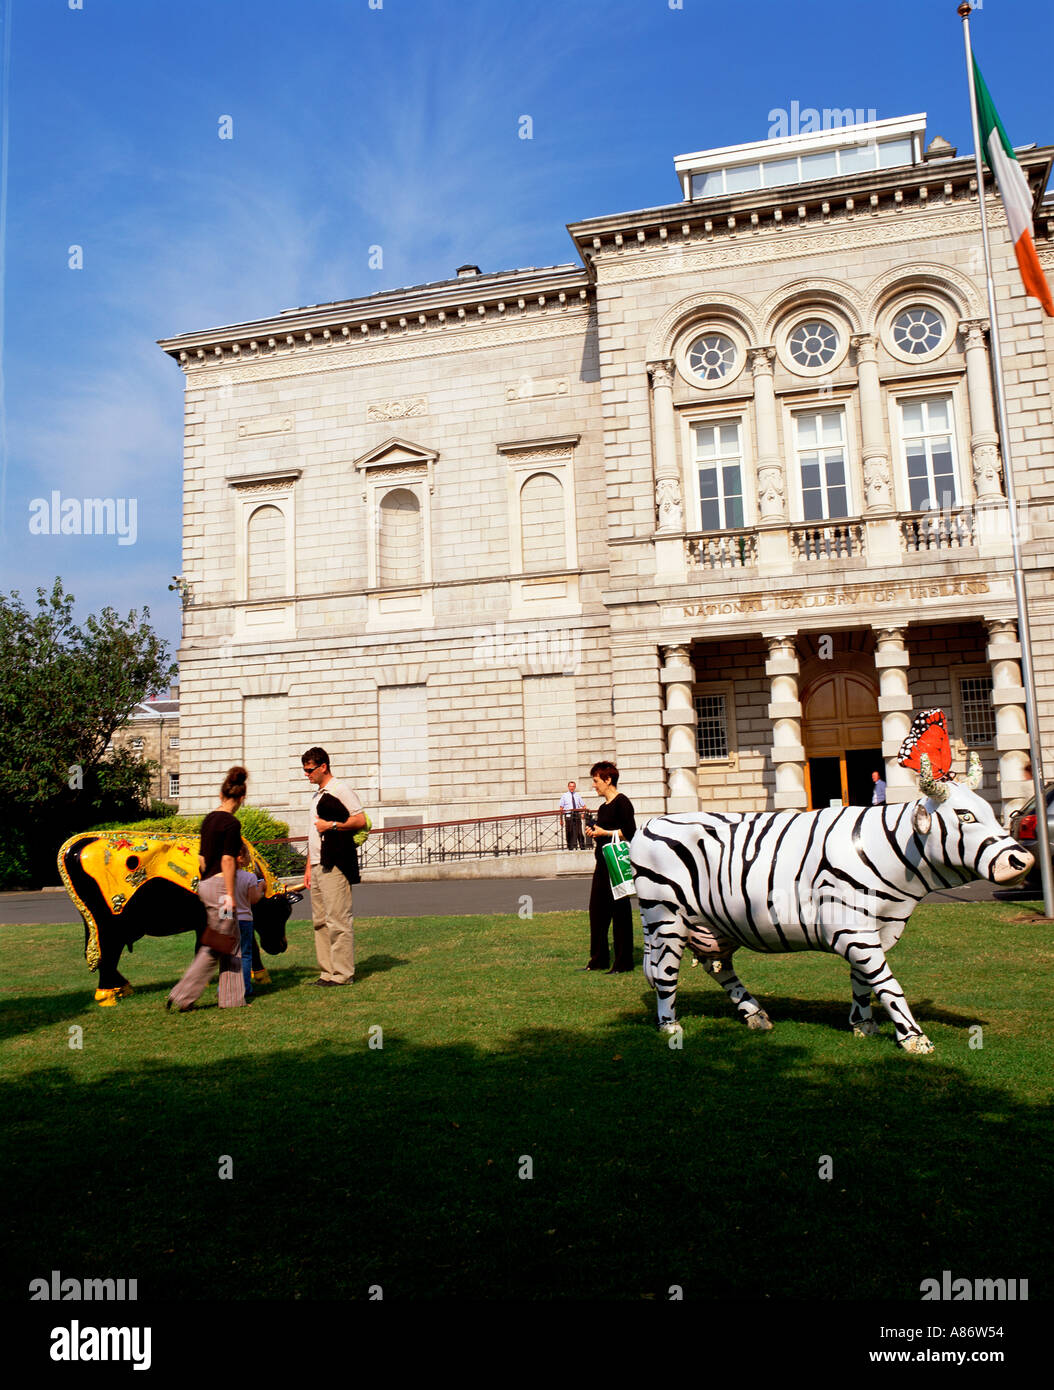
(531, 832)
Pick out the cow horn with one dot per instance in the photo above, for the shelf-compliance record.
(928, 783)
(973, 772)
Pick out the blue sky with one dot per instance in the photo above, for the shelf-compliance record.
(356, 126)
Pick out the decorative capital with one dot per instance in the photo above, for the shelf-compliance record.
(865, 346)
(973, 331)
(784, 645)
(661, 374)
(761, 360)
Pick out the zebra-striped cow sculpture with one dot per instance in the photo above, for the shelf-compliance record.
(844, 880)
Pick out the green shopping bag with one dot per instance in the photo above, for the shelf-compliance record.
(620, 871)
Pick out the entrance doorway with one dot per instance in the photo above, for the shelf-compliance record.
(842, 733)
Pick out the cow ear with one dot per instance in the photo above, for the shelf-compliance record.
(920, 819)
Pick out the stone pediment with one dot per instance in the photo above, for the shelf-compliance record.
(397, 459)
(397, 453)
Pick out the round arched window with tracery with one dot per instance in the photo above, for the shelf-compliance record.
(918, 330)
(711, 357)
(813, 343)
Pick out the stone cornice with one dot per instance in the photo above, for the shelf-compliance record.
(280, 481)
(453, 304)
(939, 184)
(412, 344)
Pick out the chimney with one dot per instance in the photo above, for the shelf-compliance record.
(938, 148)
(465, 271)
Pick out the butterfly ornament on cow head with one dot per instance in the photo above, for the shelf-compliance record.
(927, 751)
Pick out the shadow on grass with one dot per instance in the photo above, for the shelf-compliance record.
(565, 1165)
(828, 1013)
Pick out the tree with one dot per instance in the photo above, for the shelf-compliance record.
(64, 690)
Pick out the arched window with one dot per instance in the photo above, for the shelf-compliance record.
(399, 543)
(266, 560)
(542, 525)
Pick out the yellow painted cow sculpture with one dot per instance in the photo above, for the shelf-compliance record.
(127, 885)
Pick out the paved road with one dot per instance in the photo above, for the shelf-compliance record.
(441, 898)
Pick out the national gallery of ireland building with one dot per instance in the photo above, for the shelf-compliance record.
(723, 501)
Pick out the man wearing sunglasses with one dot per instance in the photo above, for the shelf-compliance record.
(332, 868)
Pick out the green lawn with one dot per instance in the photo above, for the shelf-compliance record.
(400, 1166)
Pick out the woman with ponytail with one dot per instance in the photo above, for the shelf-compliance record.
(221, 843)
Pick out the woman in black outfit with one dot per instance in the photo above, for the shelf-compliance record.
(616, 813)
(220, 846)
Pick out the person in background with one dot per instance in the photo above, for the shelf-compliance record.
(219, 848)
(615, 814)
(878, 794)
(572, 805)
(330, 876)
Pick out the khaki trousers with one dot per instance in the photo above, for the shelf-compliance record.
(334, 924)
(231, 984)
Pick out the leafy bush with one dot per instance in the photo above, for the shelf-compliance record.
(15, 868)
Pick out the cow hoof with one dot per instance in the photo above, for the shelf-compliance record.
(917, 1044)
(670, 1030)
(759, 1022)
(107, 998)
(868, 1028)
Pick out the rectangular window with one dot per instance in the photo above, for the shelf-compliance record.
(711, 727)
(173, 786)
(822, 463)
(975, 699)
(780, 171)
(741, 177)
(719, 463)
(173, 742)
(927, 439)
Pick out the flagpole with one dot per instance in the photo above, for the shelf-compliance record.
(1023, 630)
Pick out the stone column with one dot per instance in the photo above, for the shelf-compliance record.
(678, 720)
(883, 534)
(670, 561)
(771, 486)
(1011, 727)
(788, 755)
(984, 439)
(878, 487)
(773, 537)
(894, 705)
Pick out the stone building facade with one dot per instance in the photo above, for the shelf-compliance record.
(152, 733)
(722, 501)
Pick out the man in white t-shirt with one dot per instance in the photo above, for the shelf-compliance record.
(332, 867)
(571, 804)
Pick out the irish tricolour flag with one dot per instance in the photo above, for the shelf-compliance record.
(1014, 191)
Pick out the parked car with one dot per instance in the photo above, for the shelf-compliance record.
(1023, 828)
